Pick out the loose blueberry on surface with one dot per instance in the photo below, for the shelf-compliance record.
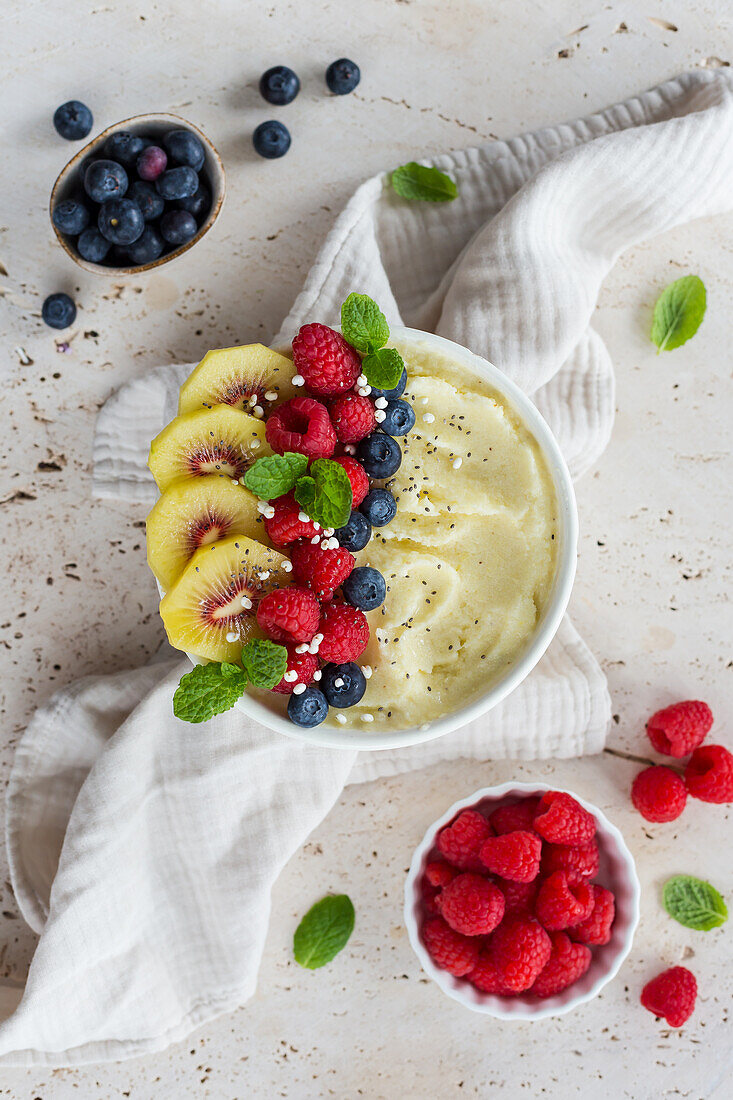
(151, 163)
(379, 507)
(178, 226)
(184, 148)
(73, 120)
(147, 248)
(342, 76)
(279, 85)
(271, 139)
(58, 311)
(105, 179)
(197, 204)
(379, 454)
(309, 708)
(393, 394)
(365, 588)
(71, 217)
(147, 198)
(355, 534)
(178, 183)
(351, 688)
(124, 147)
(121, 221)
(92, 246)
(399, 418)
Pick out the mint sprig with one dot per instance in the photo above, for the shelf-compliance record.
(383, 368)
(264, 662)
(324, 931)
(363, 324)
(422, 184)
(694, 903)
(208, 690)
(325, 494)
(678, 313)
(273, 475)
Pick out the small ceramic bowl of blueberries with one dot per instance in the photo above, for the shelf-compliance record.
(138, 195)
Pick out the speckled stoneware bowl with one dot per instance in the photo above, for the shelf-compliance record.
(68, 185)
(617, 872)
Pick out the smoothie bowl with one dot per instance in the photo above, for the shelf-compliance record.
(444, 584)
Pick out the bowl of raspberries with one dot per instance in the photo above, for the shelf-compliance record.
(522, 901)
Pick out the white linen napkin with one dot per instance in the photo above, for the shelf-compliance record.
(144, 852)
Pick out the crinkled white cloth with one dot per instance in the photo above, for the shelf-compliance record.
(143, 850)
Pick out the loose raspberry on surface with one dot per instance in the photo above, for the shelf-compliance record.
(352, 417)
(679, 729)
(562, 820)
(514, 856)
(560, 905)
(517, 815)
(345, 631)
(596, 929)
(323, 358)
(519, 949)
(709, 774)
(289, 614)
(579, 864)
(449, 949)
(304, 665)
(485, 976)
(301, 425)
(671, 995)
(286, 526)
(658, 793)
(321, 570)
(461, 841)
(472, 905)
(519, 897)
(439, 873)
(568, 961)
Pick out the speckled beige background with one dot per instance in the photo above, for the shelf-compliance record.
(653, 590)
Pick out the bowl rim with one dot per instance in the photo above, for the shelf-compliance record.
(217, 199)
(493, 1005)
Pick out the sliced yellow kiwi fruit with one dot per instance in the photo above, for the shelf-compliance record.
(221, 441)
(195, 513)
(211, 609)
(244, 377)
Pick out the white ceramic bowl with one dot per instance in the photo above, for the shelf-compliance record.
(617, 872)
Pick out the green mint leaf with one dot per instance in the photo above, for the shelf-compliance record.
(326, 494)
(305, 493)
(383, 368)
(208, 690)
(323, 931)
(264, 662)
(423, 184)
(678, 313)
(273, 475)
(694, 903)
(363, 324)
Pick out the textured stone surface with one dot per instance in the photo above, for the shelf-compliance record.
(652, 595)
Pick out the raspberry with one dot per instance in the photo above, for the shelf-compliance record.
(302, 425)
(515, 816)
(284, 526)
(709, 774)
(671, 994)
(560, 905)
(679, 729)
(289, 614)
(449, 949)
(352, 417)
(515, 856)
(358, 477)
(345, 633)
(596, 929)
(519, 949)
(658, 794)
(430, 897)
(305, 664)
(485, 976)
(568, 962)
(562, 820)
(439, 873)
(327, 363)
(519, 897)
(579, 864)
(461, 841)
(472, 905)
(321, 570)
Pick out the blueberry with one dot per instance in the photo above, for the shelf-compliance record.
(271, 139)
(342, 76)
(147, 198)
(71, 217)
(120, 221)
(343, 685)
(92, 246)
(365, 587)
(379, 507)
(379, 454)
(151, 163)
(58, 311)
(356, 533)
(392, 395)
(178, 226)
(197, 204)
(399, 418)
(309, 708)
(105, 179)
(124, 147)
(147, 247)
(183, 147)
(178, 183)
(73, 120)
(279, 85)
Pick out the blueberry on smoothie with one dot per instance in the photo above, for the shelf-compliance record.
(393, 394)
(355, 533)
(343, 685)
(73, 120)
(365, 588)
(399, 418)
(379, 454)
(379, 507)
(309, 708)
